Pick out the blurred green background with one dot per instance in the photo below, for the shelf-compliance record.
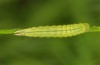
(79, 50)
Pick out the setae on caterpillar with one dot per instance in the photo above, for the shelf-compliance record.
(55, 31)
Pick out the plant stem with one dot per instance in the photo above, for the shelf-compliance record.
(95, 29)
(11, 31)
(8, 31)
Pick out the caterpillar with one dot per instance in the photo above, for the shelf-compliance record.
(55, 30)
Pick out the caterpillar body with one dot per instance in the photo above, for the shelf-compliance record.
(55, 31)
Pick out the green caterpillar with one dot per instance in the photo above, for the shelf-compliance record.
(55, 31)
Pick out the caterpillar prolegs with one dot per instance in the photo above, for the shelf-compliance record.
(55, 31)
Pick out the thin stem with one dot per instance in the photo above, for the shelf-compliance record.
(95, 29)
(8, 31)
(12, 31)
